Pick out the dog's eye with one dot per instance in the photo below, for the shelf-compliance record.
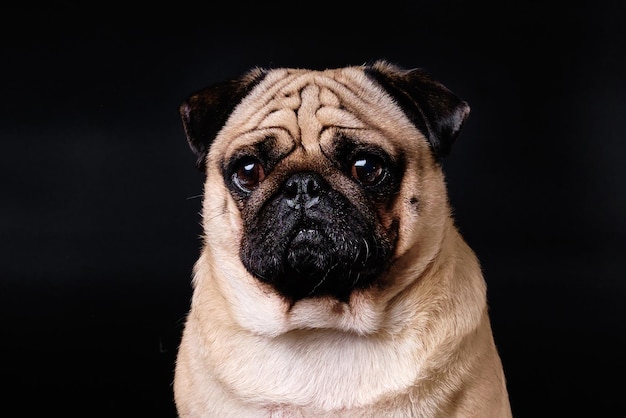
(248, 174)
(367, 169)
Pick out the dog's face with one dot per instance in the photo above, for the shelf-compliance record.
(315, 210)
(319, 182)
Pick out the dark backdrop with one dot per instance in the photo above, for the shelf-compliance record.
(99, 225)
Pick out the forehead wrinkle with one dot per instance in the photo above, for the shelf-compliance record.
(348, 96)
(369, 102)
(347, 103)
(265, 99)
(321, 107)
(310, 127)
(275, 103)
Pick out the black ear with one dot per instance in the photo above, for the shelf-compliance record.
(437, 112)
(205, 112)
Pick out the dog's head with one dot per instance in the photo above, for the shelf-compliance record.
(319, 182)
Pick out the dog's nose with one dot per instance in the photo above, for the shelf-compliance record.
(304, 189)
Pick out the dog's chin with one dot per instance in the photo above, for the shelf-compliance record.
(313, 263)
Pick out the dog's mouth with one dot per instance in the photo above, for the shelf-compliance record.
(329, 248)
(306, 236)
(314, 266)
(318, 260)
(305, 253)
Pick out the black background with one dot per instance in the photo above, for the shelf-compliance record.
(99, 225)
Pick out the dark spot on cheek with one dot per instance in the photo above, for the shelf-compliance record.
(414, 201)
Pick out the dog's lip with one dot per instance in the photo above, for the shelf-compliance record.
(306, 234)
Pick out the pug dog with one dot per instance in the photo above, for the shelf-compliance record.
(332, 280)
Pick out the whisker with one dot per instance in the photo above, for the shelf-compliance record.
(367, 251)
(218, 215)
(323, 279)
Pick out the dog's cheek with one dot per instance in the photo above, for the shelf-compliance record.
(423, 207)
(262, 239)
(390, 214)
(221, 216)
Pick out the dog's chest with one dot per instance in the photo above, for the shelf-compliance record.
(329, 372)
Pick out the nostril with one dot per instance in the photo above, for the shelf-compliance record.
(291, 189)
(303, 190)
(312, 187)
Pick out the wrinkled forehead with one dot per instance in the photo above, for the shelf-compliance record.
(344, 84)
(294, 99)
